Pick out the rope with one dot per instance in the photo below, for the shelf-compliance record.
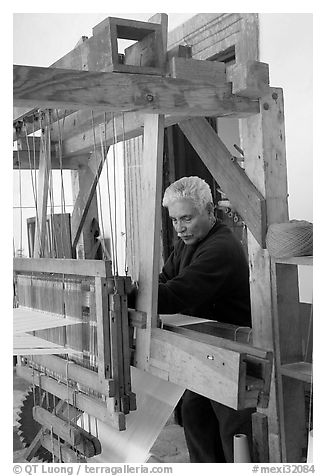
(293, 238)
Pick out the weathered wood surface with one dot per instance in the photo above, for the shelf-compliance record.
(243, 194)
(152, 169)
(99, 409)
(60, 427)
(54, 87)
(203, 368)
(71, 370)
(89, 177)
(63, 266)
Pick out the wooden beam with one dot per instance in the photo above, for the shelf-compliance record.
(83, 376)
(212, 72)
(250, 79)
(61, 428)
(200, 367)
(103, 411)
(78, 136)
(87, 189)
(53, 87)
(152, 170)
(263, 143)
(245, 197)
(260, 438)
(63, 266)
(27, 156)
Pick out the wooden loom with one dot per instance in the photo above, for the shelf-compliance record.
(156, 89)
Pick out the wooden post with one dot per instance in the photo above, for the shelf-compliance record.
(263, 142)
(150, 221)
(150, 228)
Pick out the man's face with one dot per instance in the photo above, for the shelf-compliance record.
(190, 224)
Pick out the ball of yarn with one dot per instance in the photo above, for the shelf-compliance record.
(290, 239)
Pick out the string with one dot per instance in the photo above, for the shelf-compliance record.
(63, 199)
(20, 204)
(115, 193)
(125, 190)
(33, 179)
(98, 173)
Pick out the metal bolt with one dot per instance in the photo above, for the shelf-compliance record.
(150, 97)
(266, 106)
(275, 96)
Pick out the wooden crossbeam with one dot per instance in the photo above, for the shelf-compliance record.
(245, 197)
(63, 266)
(28, 156)
(53, 87)
(103, 411)
(83, 376)
(60, 427)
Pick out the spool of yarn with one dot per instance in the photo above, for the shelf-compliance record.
(293, 238)
(241, 453)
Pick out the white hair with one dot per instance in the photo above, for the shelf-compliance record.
(191, 188)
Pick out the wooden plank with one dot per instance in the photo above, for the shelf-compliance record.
(298, 370)
(103, 329)
(294, 420)
(83, 376)
(202, 368)
(61, 428)
(287, 325)
(250, 79)
(148, 54)
(88, 183)
(21, 160)
(124, 287)
(78, 135)
(260, 438)
(87, 404)
(211, 72)
(152, 169)
(117, 370)
(63, 266)
(61, 235)
(34, 446)
(263, 143)
(53, 87)
(243, 194)
(219, 342)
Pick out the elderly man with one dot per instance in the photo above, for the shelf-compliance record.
(206, 276)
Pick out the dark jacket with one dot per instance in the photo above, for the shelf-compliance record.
(209, 279)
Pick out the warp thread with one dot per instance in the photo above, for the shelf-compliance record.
(290, 239)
